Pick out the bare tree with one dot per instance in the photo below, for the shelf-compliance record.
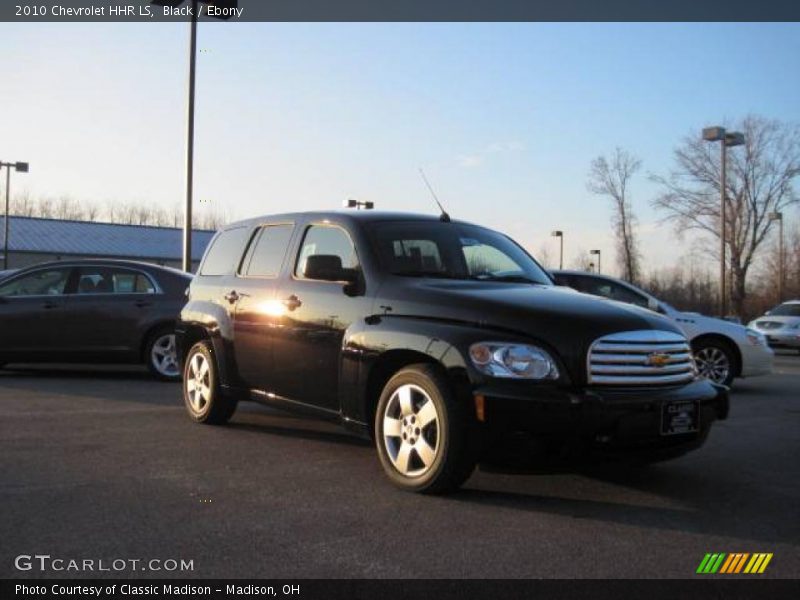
(611, 177)
(760, 181)
(582, 261)
(545, 258)
(23, 205)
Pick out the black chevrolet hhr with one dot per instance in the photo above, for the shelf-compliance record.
(438, 339)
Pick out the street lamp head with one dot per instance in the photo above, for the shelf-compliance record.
(21, 167)
(713, 134)
(734, 139)
(353, 203)
(557, 233)
(776, 216)
(594, 252)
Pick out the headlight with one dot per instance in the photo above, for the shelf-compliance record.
(756, 338)
(514, 361)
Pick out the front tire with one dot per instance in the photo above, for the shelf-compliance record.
(715, 360)
(202, 395)
(422, 432)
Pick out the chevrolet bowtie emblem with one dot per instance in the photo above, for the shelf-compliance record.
(657, 359)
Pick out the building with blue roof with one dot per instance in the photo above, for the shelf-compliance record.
(33, 240)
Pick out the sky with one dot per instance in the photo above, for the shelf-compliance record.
(504, 118)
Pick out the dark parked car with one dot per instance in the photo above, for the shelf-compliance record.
(439, 339)
(7, 273)
(109, 311)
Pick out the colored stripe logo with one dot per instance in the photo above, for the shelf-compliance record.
(733, 563)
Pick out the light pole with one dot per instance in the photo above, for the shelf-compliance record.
(598, 258)
(187, 213)
(21, 167)
(560, 234)
(728, 140)
(778, 216)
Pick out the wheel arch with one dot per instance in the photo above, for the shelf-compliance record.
(719, 337)
(383, 369)
(189, 333)
(374, 354)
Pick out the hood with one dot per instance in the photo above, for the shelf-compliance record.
(562, 318)
(706, 324)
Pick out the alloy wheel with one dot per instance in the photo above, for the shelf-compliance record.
(164, 355)
(712, 363)
(198, 382)
(411, 431)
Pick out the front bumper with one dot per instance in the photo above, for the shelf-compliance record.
(782, 338)
(756, 360)
(613, 420)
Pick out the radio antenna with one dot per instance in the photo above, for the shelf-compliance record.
(444, 216)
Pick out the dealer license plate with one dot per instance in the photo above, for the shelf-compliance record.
(678, 417)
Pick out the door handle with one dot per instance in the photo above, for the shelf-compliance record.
(48, 304)
(142, 303)
(234, 297)
(292, 302)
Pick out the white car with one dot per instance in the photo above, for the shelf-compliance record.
(722, 350)
(781, 325)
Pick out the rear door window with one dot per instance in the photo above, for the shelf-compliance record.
(268, 251)
(111, 280)
(609, 289)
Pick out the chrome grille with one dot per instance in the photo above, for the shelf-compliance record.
(640, 358)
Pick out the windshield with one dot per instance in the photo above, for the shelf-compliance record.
(453, 251)
(786, 310)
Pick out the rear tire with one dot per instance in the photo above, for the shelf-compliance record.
(422, 432)
(715, 360)
(202, 395)
(161, 354)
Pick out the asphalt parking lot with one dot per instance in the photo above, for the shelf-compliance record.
(103, 464)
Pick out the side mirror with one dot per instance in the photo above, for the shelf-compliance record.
(328, 267)
(653, 305)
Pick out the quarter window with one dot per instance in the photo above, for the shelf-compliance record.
(268, 251)
(225, 252)
(327, 240)
(47, 282)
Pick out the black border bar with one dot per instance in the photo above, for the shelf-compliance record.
(729, 588)
(418, 10)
